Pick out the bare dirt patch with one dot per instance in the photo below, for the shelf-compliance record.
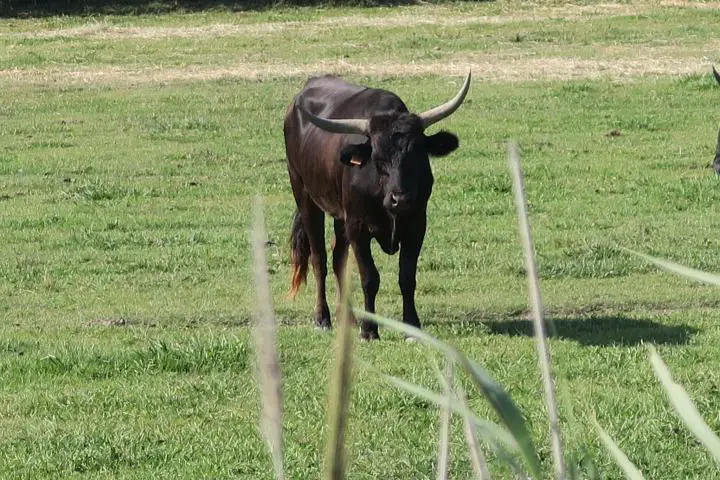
(110, 322)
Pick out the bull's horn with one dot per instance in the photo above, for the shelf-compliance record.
(716, 74)
(436, 114)
(339, 125)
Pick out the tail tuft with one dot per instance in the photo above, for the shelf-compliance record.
(299, 254)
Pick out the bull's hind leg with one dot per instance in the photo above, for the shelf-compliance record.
(313, 219)
(339, 259)
(370, 278)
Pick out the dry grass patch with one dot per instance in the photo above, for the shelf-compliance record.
(485, 68)
(547, 55)
(402, 17)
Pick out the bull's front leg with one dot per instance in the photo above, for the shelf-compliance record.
(410, 248)
(370, 278)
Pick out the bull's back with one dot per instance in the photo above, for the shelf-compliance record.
(312, 153)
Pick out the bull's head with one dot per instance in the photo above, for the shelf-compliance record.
(398, 149)
(716, 162)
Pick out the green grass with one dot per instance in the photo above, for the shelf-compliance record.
(247, 38)
(133, 202)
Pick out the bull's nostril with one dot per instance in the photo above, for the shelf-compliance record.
(394, 200)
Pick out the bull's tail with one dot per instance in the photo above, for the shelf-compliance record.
(299, 254)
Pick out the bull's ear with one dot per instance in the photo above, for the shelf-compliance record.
(355, 155)
(441, 144)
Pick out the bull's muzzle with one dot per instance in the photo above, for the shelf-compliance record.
(398, 203)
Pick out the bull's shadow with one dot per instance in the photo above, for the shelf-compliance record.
(615, 330)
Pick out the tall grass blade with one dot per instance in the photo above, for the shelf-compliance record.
(265, 334)
(541, 342)
(477, 459)
(495, 394)
(339, 392)
(687, 272)
(684, 406)
(494, 434)
(445, 416)
(630, 470)
(498, 449)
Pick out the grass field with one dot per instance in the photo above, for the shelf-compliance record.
(130, 150)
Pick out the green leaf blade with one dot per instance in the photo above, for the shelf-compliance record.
(629, 468)
(684, 406)
(498, 398)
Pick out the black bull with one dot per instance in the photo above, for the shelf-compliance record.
(359, 155)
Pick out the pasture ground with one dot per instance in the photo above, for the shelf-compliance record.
(130, 149)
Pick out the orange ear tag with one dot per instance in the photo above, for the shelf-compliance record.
(355, 161)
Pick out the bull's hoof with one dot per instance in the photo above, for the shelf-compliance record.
(322, 319)
(323, 328)
(367, 336)
(323, 324)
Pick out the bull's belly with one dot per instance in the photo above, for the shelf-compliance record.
(330, 206)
